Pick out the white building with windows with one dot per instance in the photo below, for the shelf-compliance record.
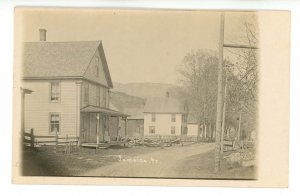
(71, 85)
(165, 116)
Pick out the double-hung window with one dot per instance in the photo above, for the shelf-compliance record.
(172, 130)
(54, 123)
(98, 96)
(153, 118)
(152, 130)
(54, 91)
(86, 93)
(173, 118)
(104, 97)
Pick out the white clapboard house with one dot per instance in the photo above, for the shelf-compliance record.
(70, 84)
(165, 116)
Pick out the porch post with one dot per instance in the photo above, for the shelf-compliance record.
(125, 127)
(108, 127)
(118, 129)
(78, 103)
(23, 92)
(98, 126)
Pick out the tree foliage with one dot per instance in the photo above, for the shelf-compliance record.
(199, 72)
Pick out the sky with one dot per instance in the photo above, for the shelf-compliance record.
(140, 46)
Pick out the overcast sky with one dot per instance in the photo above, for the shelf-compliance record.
(140, 46)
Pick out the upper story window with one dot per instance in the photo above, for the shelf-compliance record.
(86, 93)
(98, 96)
(96, 72)
(54, 123)
(173, 118)
(184, 118)
(153, 118)
(105, 97)
(54, 91)
(108, 97)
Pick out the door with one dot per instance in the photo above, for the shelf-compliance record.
(85, 127)
(92, 135)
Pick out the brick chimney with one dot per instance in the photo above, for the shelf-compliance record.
(43, 35)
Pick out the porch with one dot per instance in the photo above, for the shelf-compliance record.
(101, 127)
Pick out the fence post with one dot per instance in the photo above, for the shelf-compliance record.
(32, 138)
(66, 145)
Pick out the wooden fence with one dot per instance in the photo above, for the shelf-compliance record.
(231, 145)
(62, 144)
(163, 138)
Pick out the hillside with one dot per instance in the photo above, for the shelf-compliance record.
(146, 90)
(128, 104)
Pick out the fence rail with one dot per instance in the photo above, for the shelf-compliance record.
(66, 144)
(163, 138)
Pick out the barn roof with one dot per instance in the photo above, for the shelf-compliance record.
(164, 105)
(61, 59)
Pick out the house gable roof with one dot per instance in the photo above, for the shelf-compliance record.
(164, 105)
(61, 59)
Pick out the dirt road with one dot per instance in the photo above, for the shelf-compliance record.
(167, 162)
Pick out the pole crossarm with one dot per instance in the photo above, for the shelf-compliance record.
(240, 46)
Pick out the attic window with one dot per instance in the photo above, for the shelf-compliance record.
(96, 72)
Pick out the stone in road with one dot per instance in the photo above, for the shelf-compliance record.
(162, 163)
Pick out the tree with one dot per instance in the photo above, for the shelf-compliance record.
(198, 72)
(243, 84)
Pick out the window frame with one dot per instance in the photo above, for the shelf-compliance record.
(153, 117)
(173, 130)
(98, 94)
(184, 131)
(104, 97)
(50, 123)
(151, 129)
(97, 60)
(58, 89)
(86, 93)
(184, 118)
(173, 117)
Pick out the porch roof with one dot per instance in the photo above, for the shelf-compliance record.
(94, 109)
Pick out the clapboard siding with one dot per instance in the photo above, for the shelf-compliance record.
(192, 129)
(91, 70)
(38, 107)
(163, 124)
(92, 99)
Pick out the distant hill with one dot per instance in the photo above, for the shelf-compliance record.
(146, 90)
(126, 103)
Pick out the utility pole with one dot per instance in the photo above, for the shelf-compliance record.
(219, 138)
(239, 130)
(220, 98)
(224, 111)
